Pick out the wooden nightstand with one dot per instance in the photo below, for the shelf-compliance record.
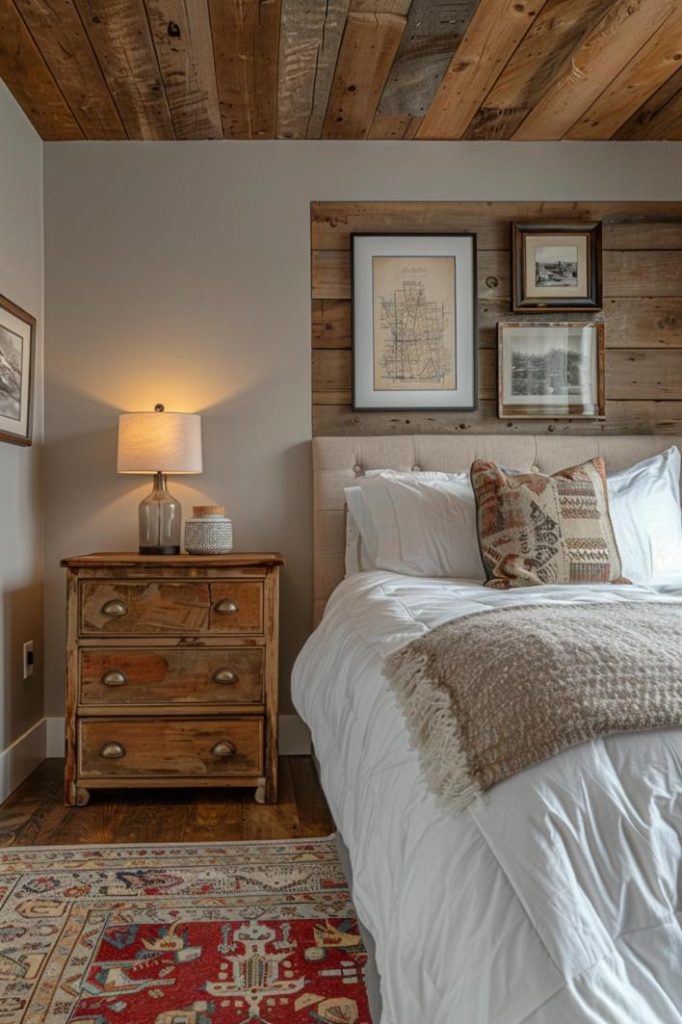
(172, 672)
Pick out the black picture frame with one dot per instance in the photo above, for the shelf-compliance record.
(589, 302)
(21, 437)
(360, 405)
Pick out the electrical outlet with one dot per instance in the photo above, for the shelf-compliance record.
(28, 659)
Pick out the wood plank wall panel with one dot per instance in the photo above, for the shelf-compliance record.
(642, 265)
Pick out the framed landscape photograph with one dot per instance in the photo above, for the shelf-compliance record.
(550, 370)
(414, 321)
(17, 330)
(556, 266)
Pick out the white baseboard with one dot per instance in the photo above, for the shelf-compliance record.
(294, 737)
(22, 757)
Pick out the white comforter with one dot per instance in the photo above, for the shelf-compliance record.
(556, 900)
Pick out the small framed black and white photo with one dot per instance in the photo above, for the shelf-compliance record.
(17, 329)
(551, 370)
(414, 322)
(556, 267)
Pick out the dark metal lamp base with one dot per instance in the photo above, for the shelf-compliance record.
(170, 549)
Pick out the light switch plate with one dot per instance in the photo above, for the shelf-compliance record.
(28, 659)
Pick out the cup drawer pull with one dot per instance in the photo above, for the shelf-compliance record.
(225, 748)
(115, 609)
(227, 607)
(114, 678)
(226, 676)
(112, 751)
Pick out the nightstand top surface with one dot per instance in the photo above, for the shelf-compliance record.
(123, 558)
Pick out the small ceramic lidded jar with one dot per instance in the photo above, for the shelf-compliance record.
(209, 531)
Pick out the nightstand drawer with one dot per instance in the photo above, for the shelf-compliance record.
(237, 606)
(114, 608)
(122, 676)
(139, 747)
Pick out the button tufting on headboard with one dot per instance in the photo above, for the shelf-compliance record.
(337, 460)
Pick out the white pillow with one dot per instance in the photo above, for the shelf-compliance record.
(357, 557)
(424, 524)
(644, 503)
(420, 524)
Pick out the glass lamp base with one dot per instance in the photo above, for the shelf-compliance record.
(160, 517)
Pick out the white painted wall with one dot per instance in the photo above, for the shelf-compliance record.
(21, 514)
(179, 272)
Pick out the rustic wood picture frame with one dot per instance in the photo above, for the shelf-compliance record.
(538, 410)
(24, 436)
(590, 301)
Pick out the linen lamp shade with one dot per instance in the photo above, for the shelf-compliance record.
(159, 442)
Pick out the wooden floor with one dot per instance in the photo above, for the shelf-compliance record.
(35, 815)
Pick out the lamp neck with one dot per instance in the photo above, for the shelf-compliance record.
(160, 482)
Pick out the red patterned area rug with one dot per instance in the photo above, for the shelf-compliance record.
(229, 933)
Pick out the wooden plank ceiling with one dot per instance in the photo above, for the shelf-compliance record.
(346, 69)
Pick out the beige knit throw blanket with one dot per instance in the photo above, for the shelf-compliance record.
(492, 693)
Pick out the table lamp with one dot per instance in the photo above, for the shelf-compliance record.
(159, 442)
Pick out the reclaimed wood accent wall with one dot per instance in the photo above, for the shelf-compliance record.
(642, 268)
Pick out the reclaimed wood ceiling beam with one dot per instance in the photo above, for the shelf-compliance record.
(494, 33)
(246, 51)
(370, 43)
(309, 41)
(27, 75)
(660, 117)
(651, 66)
(58, 33)
(626, 26)
(556, 32)
(182, 38)
(120, 36)
(433, 32)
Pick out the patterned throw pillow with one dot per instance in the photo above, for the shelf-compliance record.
(535, 529)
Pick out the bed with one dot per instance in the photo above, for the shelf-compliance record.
(514, 911)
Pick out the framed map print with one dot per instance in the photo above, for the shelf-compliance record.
(414, 321)
(16, 373)
(556, 267)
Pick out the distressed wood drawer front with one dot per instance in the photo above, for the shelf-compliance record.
(237, 607)
(116, 608)
(178, 675)
(138, 747)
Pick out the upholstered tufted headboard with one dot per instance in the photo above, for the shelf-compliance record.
(337, 461)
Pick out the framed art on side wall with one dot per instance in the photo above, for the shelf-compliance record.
(551, 370)
(556, 267)
(414, 321)
(17, 342)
